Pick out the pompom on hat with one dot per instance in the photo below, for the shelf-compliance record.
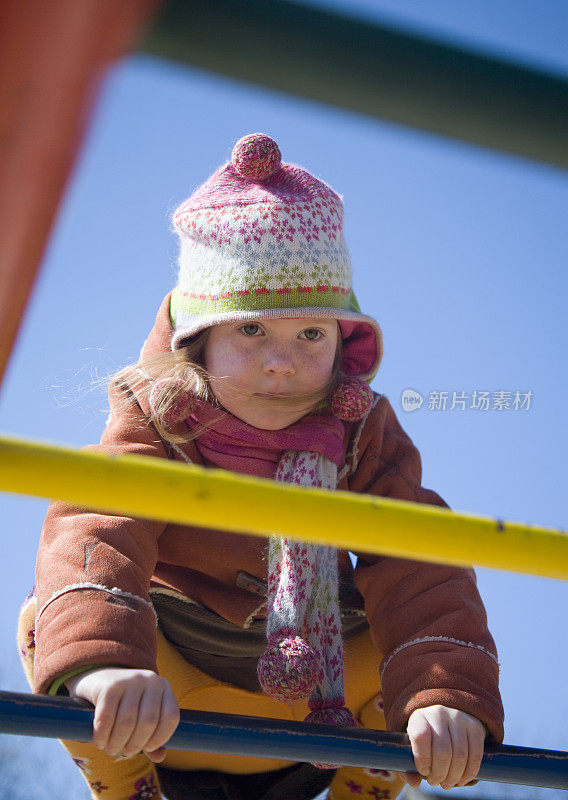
(264, 238)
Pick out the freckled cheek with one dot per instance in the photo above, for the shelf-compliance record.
(318, 367)
(234, 369)
(243, 366)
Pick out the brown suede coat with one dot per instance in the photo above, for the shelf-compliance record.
(427, 620)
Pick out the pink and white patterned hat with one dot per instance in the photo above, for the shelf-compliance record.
(264, 239)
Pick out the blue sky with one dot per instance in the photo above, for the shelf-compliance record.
(459, 252)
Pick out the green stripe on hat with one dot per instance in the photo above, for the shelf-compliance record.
(259, 300)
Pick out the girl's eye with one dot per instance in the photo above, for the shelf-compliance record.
(251, 329)
(313, 334)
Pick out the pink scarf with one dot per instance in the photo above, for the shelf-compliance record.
(304, 658)
(233, 444)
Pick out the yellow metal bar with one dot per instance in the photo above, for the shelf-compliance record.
(210, 498)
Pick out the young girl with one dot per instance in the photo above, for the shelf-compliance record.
(258, 362)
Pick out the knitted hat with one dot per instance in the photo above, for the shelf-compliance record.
(264, 239)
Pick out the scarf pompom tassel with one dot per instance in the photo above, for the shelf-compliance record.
(351, 400)
(330, 712)
(289, 668)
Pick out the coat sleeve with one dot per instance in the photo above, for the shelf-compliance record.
(93, 571)
(428, 620)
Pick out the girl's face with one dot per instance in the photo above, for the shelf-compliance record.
(262, 370)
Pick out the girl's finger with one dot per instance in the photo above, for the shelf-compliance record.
(460, 753)
(411, 778)
(156, 755)
(476, 741)
(441, 756)
(148, 719)
(420, 735)
(106, 708)
(125, 722)
(167, 724)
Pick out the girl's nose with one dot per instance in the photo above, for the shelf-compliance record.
(278, 362)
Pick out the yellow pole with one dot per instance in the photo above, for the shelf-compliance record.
(210, 498)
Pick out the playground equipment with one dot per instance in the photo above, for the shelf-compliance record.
(153, 488)
(51, 61)
(61, 717)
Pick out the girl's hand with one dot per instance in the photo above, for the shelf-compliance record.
(447, 745)
(135, 710)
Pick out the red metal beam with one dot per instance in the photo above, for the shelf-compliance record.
(52, 58)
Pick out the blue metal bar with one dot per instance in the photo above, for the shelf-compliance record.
(199, 731)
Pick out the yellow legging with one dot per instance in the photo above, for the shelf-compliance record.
(136, 778)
